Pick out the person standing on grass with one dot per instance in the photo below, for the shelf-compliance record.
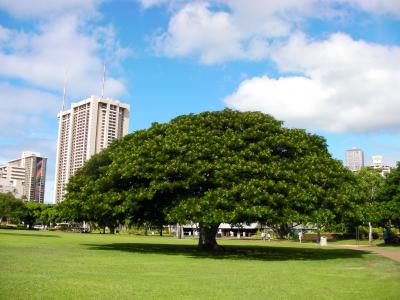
(386, 236)
(263, 236)
(268, 237)
(300, 235)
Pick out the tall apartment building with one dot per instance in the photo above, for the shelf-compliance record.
(354, 159)
(85, 129)
(25, 177)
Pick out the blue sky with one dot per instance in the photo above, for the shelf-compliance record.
(332, 67)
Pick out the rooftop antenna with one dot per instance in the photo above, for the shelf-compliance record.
(104, 80)
(64, 91)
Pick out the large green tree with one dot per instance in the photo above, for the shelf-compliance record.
(213, 167)
(369, 185)
(94, 196)
(11, 208)
(390, 198)
(49, 214)
(32, 213)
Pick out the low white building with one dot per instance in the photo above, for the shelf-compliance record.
(377, 164)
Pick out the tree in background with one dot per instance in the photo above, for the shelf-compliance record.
(94, 196)
(369, 185)
(32, 213)
(11, 208)
(49, 214)
(389, 197)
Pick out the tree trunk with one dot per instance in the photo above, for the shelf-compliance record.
(179, 231)
(318, 233)
(370, 233)
(112, 229)
(282, 230)
(207, 238)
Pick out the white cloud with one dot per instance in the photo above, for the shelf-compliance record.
(150, 3)
(61, 44)
(271, 18)
(46, 8)
(22, 109)
(391, 7)
(240, 32)
(195, 29)
(4, 34)
(346, 85)
(219, 31)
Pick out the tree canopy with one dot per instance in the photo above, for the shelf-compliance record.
(369, 185)
(390, 198)
(213, 167)
(93, 195)
(30, 213)
(11, 208)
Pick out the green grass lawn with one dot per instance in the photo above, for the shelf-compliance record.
(375, 243)
(55, 265)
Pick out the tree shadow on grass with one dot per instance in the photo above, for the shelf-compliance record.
(29, 234)
(264, 253)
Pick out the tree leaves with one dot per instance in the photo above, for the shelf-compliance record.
(223, 166)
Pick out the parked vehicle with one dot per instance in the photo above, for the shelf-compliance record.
(39, 227)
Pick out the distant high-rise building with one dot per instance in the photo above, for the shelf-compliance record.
(25, 177)
(85, 129)
(354, 159)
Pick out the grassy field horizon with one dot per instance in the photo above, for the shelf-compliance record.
(56, 265)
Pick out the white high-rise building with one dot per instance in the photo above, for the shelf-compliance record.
(377, 164)
(25, 177)
(85, 129)
(354, 159)
(377, 161)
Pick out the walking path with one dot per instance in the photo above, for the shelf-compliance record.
(392, 254)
